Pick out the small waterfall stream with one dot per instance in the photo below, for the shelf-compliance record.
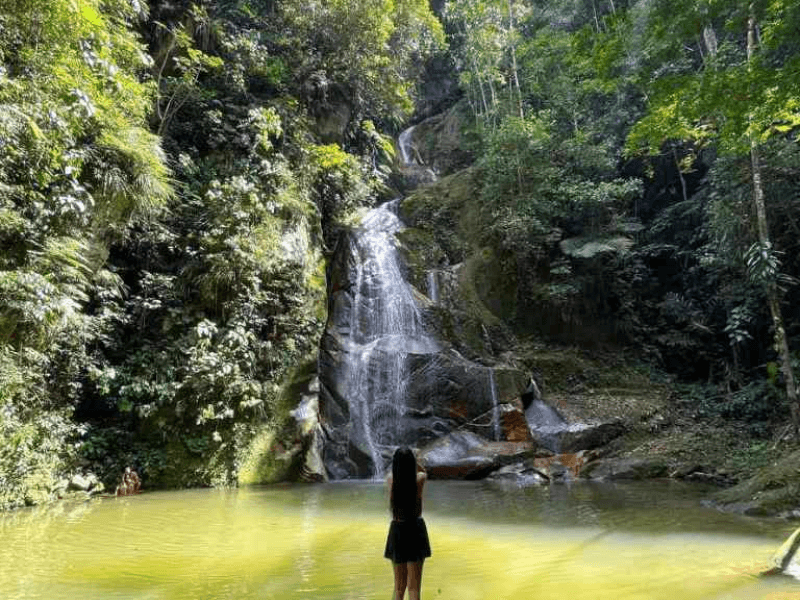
(433, 287)
(495, 407)
(406, 147)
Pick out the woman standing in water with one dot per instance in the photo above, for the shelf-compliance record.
(407, 545)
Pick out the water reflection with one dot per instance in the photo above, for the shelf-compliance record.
(306, 562)
(581, 541)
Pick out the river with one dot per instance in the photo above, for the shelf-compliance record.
(579, 541)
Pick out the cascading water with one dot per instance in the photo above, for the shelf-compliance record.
(406, 148)
(384, 379)
(385, 326)
(495, 407)
(433, 287)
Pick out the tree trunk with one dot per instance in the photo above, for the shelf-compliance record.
(514, 58)
(480, 86)
(773, 298)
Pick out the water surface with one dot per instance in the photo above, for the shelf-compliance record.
(580, 542)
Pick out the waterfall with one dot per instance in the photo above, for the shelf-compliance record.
(404, 142)
(433, 287)
(546, 423)
(385, 326)
(413, 167)
(495, 407)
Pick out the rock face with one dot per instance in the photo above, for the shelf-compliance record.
(384, 380)
(438, 140)
(442, 393)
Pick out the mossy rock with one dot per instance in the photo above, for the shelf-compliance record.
(775, 489)
(268, 460)
(444, 233)
(494, 281)
(421, 252)
(276, 453)
(447, 209)
(445, 141)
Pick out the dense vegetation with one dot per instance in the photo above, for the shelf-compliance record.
(170, 179)
(639, 171)
(173, 176)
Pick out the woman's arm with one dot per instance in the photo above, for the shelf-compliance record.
(422, 476)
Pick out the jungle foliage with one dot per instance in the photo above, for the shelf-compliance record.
(173, 176)
(167, 197)
(623, 149)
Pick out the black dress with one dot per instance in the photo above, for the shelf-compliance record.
(407, 541)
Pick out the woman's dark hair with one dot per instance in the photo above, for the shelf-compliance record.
(403, 498)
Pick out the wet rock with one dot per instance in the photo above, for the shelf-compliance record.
(455, 392)
(443, 392)
(523, 473)
(84, 483)
(626, 468)
(466, 455)
(567, 466)
(587, 436)
(507, 423)
(440, 141)
(309, 431)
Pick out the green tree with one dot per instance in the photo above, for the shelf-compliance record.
(77, 167)
(364, 53)
(733, 97)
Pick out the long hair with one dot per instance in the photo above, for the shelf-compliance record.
(403, 498)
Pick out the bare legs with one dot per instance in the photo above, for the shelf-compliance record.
(414, 579)
(400, 580)
(410, 575)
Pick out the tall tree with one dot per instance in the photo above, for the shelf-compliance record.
(760, 254)
(732, 97)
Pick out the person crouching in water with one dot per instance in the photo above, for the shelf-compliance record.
(407, 544)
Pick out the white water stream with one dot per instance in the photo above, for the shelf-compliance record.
(385, 326)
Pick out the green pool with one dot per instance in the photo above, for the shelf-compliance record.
(576, 542)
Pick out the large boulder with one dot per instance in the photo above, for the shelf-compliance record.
(446, 391)
(574, 437)
(522, 473)
(440, 140)
(505, 422)
(466, 455)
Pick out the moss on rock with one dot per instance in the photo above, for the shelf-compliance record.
(774, 489)
(445, 140)
(421, 252)
(443, 209)
(268, 460)
(276, 452)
